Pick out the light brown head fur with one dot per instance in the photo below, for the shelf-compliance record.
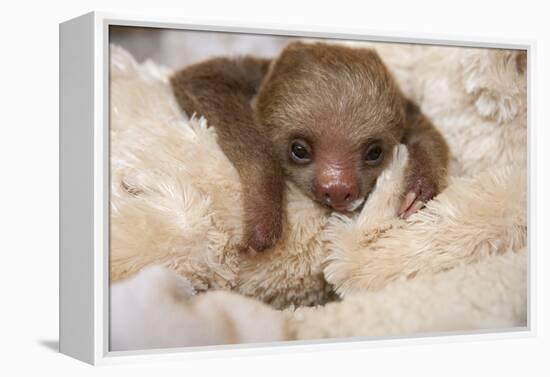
(338, 102)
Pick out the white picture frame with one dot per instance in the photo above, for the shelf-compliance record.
(84, 189)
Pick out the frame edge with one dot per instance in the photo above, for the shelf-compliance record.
(76, 188)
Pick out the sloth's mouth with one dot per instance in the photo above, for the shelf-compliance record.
(346, 209)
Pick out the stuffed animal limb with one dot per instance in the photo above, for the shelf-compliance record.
(469, 221)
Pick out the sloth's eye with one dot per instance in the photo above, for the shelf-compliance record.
(374, 154)
(300, 151)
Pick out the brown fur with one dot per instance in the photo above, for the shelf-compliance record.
(221, 90)
(337, 99)
(429, 154)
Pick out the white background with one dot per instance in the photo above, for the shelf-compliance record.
(29, 185)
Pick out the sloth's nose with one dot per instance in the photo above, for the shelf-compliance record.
(338, 193)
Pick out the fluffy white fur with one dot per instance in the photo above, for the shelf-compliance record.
(472, 219)
(476, 97)
(458, 264)
(490, 294)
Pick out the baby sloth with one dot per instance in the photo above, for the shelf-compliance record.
(324, 116)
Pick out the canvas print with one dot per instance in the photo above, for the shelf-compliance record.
(266, 189)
